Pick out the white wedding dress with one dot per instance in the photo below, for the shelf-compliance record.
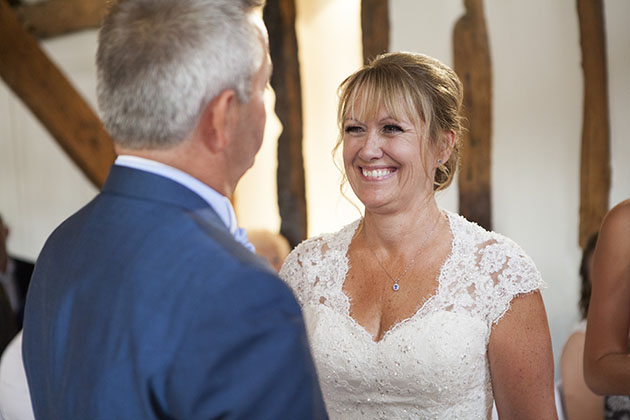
(432, 365)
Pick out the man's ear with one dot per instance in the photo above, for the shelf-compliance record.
(217, 120)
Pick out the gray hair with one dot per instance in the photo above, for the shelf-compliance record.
(160, 62)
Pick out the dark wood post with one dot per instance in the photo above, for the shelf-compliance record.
(279, 16)
(473, 66)
(374, 28)
(595, 160)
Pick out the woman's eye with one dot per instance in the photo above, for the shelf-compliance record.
(392, 129)
(353, 129)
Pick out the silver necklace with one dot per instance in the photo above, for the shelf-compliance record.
(396, 287)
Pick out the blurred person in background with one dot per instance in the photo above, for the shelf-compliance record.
(578, 401)
(273, 246)
(607, 348)
(15, 276)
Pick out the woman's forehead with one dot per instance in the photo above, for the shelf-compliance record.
(368, 105)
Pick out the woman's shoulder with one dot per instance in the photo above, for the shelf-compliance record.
(468, 231)
(488, 269)
(496, 255)
(618, 218)
(622, 208)
(320, 244)
(310, 253)
(579, 328)
(614, 237)
(575, 340)
(320, 257)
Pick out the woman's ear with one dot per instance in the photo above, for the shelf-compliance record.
(217, 120)
(446, 146)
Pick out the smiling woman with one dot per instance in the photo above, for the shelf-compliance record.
(385, 162)
(413, 311)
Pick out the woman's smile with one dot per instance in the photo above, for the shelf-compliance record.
(376, 174)
(383, 158)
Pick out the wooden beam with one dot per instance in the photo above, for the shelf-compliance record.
(374, 28)
(595, 160)
(51, 18)
(27, 71)
(472, 64)
(279, 16)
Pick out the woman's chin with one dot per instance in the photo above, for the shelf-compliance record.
(379, 206)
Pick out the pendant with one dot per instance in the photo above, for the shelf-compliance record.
(395, 287)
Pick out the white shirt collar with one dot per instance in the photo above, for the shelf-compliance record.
(217, 201)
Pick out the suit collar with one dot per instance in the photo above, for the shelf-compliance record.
(151, 187)
(147, 186)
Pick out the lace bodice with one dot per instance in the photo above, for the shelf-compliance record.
(432, 365)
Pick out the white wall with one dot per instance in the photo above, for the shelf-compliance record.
(39, 185)
(330, 49)
(536, 143)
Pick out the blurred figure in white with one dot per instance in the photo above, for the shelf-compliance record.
(15, 400)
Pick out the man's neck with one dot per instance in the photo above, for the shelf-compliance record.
(185, 158)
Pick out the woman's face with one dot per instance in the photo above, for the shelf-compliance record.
(383, 159)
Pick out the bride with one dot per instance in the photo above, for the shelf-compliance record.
(412, 311)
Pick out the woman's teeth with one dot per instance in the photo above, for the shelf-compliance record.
(375, 173)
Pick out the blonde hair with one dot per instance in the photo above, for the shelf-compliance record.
(412, 85)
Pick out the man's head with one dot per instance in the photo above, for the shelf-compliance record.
(161, 62)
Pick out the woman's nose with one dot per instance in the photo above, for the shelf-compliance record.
(372, 148)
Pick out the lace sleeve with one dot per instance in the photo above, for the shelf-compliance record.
(316, 268)
(513, 273)
(295, 270)
(292, 274)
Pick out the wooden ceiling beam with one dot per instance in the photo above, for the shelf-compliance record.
(51, 18)
(30, 74)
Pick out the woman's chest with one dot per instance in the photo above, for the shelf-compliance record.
(423, 355)
(382, 294)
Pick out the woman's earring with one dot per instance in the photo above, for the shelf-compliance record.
(439, 161)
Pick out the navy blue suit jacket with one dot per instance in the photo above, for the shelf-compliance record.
(142, 306)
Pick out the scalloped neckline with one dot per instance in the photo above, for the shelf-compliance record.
(421, 308)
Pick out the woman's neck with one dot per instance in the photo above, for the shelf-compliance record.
(396, 232)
